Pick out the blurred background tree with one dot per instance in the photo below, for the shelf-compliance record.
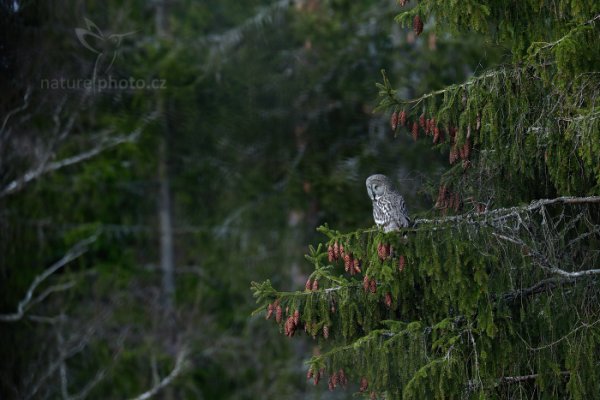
(264, 130)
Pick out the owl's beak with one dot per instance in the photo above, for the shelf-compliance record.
(371, 194)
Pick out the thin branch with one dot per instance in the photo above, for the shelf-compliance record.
(582, 325)
(51, 370)
(177, 369)
(542, 286)
(502, 213)
(47, 320)
(508, 380)
(552, 44)
(100, 375)
(326, 290)
(64, 380)
(416, 101)
(43, 168)
(52, 289)
(16, 110)
(543, 262)
(523, 378)
(476, 358)
(74, 252)
(31, 175)
(470, 82)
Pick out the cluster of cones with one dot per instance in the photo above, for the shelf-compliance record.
(369, 285)
(338, 378)
(430, 127)
(311, 285)
(292, 322)
(336, 252)
(460, 152)
(384, 251)
(447, 200)
(274, 308)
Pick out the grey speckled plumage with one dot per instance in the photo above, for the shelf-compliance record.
(389, 209)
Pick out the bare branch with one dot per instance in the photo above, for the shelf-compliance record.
(74, 252)
(502, 213)
(100, 375)
(66, 354)
(583, 325)
(52, 289)
(177, 369)
(523, 378)
(64, 381)
(15, 111)
(476, 358)
(543, 262)
(508, 380)
(542, 286)
(29, 176)
(43, 168)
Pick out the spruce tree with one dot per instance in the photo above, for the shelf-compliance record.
(495, 294)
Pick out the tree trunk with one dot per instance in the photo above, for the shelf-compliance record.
(167, 258)
(167, 262)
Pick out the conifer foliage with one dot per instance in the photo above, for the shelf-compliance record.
(498, 295)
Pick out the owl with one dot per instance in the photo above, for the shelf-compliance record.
(389, 209)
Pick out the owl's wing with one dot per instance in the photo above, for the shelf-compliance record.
(400, 212)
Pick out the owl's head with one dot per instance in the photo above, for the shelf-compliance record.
(378, 185)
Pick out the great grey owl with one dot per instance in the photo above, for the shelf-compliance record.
(389, 209)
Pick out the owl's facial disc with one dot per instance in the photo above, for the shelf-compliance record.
(378, 191)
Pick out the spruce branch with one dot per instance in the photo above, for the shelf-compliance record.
(389, 94)
(546, 45)
(481, 218)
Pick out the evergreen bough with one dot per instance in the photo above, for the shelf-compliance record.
(502, 299)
